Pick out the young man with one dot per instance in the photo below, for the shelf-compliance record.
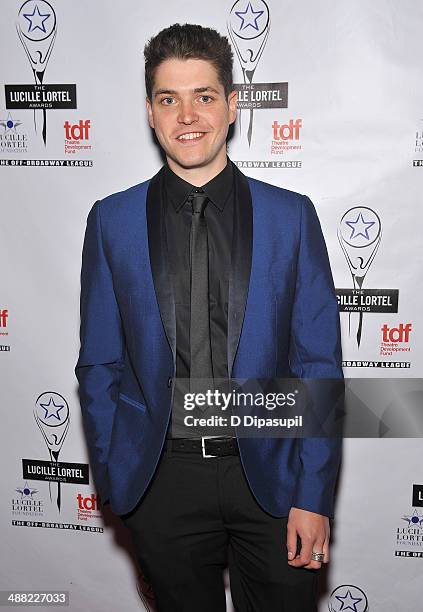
(202, 272)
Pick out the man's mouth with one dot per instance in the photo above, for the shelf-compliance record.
(190, 136)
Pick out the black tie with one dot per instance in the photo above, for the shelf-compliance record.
(200, 350)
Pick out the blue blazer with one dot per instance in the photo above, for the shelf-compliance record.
(283, 321)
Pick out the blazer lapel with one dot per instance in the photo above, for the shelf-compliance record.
(242, 243)
(157, 244)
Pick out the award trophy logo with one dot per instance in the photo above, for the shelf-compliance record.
(359, 234)
(37, 29)
(51, 413)
(248, 27)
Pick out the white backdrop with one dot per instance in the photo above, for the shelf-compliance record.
(355, 93)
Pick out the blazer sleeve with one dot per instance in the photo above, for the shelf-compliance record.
(101, 354)
(315, 352)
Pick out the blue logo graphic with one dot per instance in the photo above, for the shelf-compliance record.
(9, 124)
(36, 20)
(348, 597)
(26, 491)
(249, 18)
(52, 410)
(413, 519)
(360, 227)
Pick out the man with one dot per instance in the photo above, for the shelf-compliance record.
(202, 272)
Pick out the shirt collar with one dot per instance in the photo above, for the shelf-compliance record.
(217, 190)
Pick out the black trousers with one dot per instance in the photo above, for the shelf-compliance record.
(199, 516)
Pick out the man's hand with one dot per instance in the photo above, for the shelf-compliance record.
(314, 531)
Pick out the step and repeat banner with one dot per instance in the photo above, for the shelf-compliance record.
(330, 105)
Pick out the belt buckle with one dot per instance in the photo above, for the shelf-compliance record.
(203, 449)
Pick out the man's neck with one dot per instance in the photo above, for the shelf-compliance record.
(201, 175)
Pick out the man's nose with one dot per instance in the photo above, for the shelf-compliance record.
(187, 113)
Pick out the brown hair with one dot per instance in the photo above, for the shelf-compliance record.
(189, 41)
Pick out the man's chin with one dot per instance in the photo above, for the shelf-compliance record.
(190, 163)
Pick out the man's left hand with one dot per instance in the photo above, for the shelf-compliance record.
(314, 531)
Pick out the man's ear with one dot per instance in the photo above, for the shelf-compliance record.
(149, 112)
(232, 104)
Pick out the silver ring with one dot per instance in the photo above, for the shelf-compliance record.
(316, 556)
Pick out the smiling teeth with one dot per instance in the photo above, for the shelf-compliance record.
(190, 136)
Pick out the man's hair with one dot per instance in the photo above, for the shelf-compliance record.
(189, 41)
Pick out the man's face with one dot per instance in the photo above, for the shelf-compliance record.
(190, 113)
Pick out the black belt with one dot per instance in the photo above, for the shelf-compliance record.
(207, 447)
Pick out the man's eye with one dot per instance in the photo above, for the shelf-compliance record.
(206, 99)
(167, 101)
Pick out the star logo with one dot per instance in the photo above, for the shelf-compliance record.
(36, 20)
(348, 598)
(9, 124)
(360, 227)
(413, 519)
(26, 491)
(249, 18)
(348, 602)
(52, 409)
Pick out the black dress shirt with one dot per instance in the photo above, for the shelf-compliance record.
(219, 218)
